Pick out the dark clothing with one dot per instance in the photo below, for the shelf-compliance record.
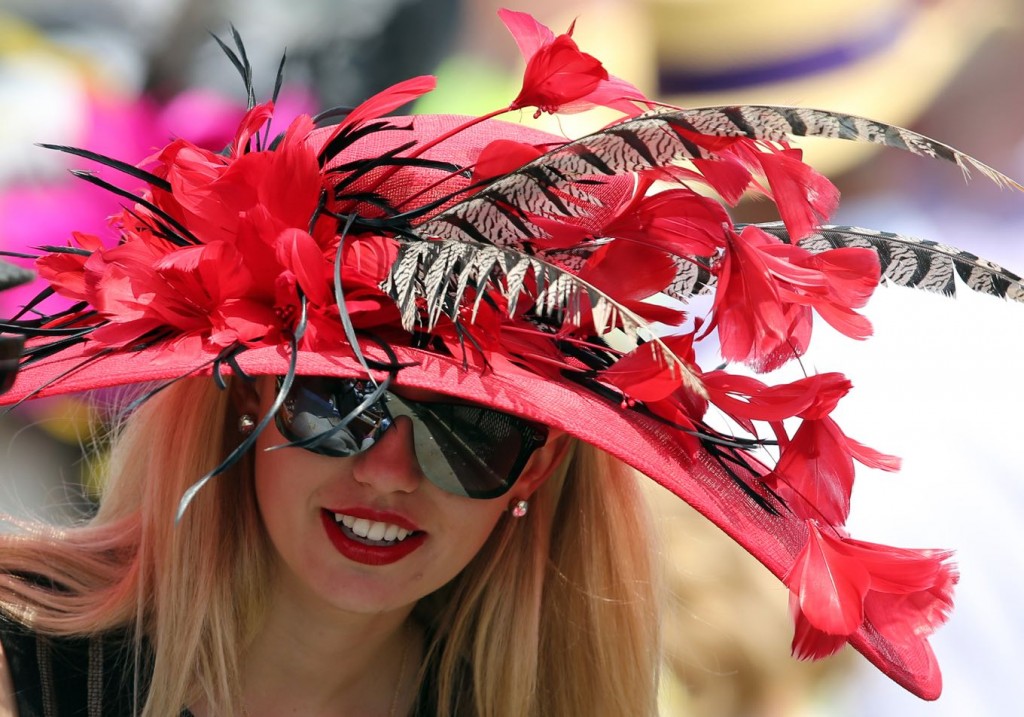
(68, 676)
(91, 676)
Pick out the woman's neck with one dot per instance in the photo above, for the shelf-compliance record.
(311, 659)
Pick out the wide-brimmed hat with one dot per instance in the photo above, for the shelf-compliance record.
(526, 272)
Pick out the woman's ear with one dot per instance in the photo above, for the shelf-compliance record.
(542, 464)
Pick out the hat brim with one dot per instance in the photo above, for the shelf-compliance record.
(648, 445)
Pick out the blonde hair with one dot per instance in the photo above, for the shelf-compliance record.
(556, 615)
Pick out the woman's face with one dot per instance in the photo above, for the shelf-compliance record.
(369, 533)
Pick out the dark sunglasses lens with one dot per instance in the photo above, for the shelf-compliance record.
(463, 449)
(313, 410)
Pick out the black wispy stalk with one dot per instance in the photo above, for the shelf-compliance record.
(93, 179)
(123, 167)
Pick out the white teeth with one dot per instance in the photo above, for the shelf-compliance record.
(361, 527)
(372, 529)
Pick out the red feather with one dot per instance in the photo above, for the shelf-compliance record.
(836, 582)
(559, 77)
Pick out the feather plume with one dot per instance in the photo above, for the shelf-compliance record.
(915, 263)
(905, 261)
(430, 278)
(775, 123)
(498, 213)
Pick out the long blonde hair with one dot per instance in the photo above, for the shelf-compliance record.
(556, 615)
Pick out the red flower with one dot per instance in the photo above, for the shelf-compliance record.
(837, 582)
(245, 255)
(560, 77)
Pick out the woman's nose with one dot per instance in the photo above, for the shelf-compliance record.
(390, 464)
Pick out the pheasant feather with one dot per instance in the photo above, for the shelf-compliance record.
(429, 279)
(499, 213)
(915, 263)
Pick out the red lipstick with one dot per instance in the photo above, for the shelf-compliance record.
(356, 550)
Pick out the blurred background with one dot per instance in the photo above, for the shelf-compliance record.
(939, 384)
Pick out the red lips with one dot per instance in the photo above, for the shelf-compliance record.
(358, 551)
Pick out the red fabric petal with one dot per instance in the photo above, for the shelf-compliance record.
(385, 101)
(501, 157)
(804, 197)
(529, 34)
(643, 376)
(815, 472)
(676, 220)
(299, 253)
(828, 588)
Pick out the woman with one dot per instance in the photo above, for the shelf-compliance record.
(427, 337)
(251, 609)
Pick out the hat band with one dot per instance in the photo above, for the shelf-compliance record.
(673, 81)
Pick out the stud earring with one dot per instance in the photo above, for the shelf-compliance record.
(520, 508)
(246, 424)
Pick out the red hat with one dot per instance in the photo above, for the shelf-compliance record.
(522, 271)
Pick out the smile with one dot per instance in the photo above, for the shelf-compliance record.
(372, 531)
(369, 540)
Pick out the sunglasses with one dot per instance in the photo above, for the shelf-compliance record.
(462, 448)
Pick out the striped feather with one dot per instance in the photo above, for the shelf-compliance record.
(429, 279)
(776, 123)
(913, 262)
(549, 186)
(905, 261)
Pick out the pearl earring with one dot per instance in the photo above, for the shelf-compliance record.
(520, 508)
(246, 424)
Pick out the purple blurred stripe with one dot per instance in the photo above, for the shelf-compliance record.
(672, 81)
